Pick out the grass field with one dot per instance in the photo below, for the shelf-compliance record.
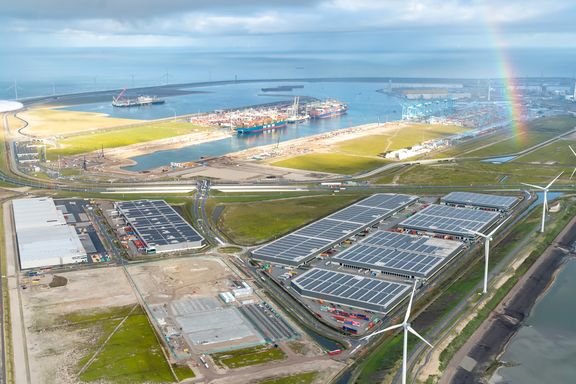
(361, 154)
(120, 137)
(256, 222)
(300, 378)
(51, 122)
(248, 356)
(131, 355)
(557, 151)
(467, 173)
(535, 132)
(332, 163)
(404, 137)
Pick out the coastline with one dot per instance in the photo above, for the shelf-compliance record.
(122, 157)
(489, 341)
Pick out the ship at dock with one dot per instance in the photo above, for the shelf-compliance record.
(260, 125)
(122, 101)
(327, 109)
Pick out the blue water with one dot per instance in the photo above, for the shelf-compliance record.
(43, 71)
(545, 349)
(499, 160)
(365, 106)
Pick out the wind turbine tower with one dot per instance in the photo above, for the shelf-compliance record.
(545, 205)
(487, 239)
(405, 325)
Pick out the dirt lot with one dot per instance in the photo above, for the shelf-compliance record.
(174, 279)
(54, 348)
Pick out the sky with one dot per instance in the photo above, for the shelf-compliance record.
(237, 25)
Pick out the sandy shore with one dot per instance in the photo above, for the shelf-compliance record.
(116, 159)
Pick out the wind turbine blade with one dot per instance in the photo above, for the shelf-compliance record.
(572, 175)
(572, 150)
(533, 186)
(475, 233)
(498, 227)
(418, 336)
(552, 182)
(410, 303)
(382, 331)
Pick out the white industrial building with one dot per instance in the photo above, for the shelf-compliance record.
(44, 238)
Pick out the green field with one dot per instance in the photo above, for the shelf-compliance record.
(248, 356)
(557, 151)
(332, 163)
(404, 137)
(361, 154)
(131, 355)
(88, 142)
(258, 221)
(472, 172)
(534, 132)
(300, 378)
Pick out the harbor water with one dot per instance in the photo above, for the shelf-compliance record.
(366, 105)
(544, 350)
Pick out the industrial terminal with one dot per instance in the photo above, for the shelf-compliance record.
(352, 267)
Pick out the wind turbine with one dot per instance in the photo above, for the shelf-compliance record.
(487, 239)
(545, 205)
(407, 328)
(574, 155)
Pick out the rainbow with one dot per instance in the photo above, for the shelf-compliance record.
(506, 69)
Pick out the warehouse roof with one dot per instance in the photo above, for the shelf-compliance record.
(450, 220)
(42, 232)
(503, 203)
(349, 289)
(399, 253)
(157, 223)
(304, 243)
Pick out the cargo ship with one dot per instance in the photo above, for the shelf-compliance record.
(263, 125)
(327, 109)
(122, 101)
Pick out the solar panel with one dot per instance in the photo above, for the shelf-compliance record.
(332, 229)
(157, 223)
(352, 290)
(399, 253)
(481, 200)
(449, 220)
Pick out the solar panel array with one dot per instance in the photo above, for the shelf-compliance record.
(351, 290)
(482, 200)
(304, 243)
(157, 223)
(449, 220)
(399, 253)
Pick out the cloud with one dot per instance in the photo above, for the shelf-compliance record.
(387, 24)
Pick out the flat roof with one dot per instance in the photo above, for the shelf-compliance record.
(42, 232)
(9, 106)
(399, 253)
(303, 244)
(449, 220)
(157, 223)
(481, 200)
(351, 290)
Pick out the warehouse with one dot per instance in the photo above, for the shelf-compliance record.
(351, 290)
(44, 239)
(399, 254)
(450, 221)
(481, 200)
(304, 244)
(159, 226)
